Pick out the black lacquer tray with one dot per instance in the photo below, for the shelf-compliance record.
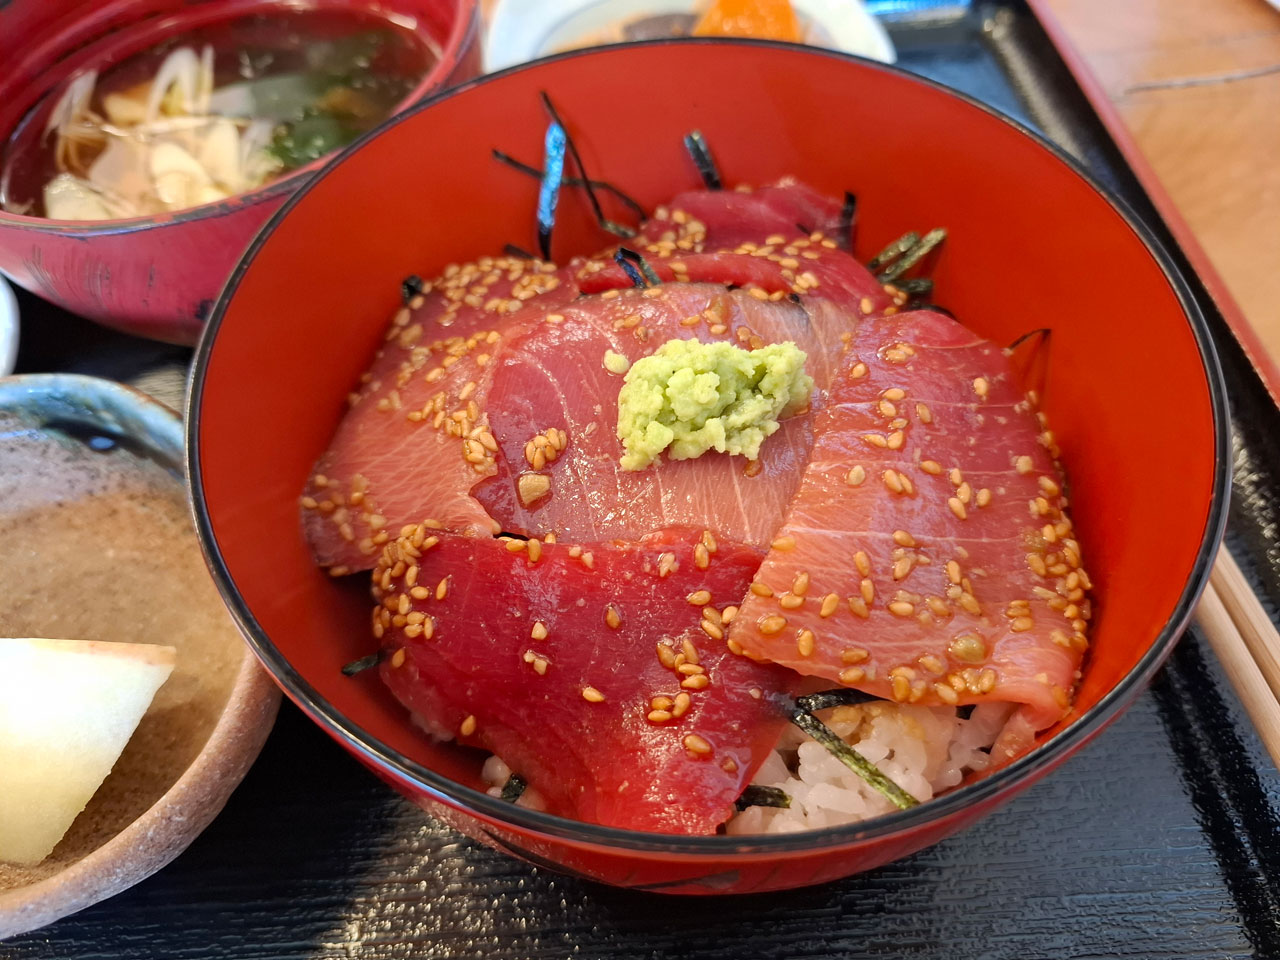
(1161, 839)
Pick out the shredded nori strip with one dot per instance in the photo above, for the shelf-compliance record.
(916, 286)
(617, 229)
(913, 256)
(847, 212)
(1039, 331)
(513, 789)
(826, 699)
(756, 795)
(696, 144)
(604, 185)
(852, 759)
(361, 665)
(894, 250)
(553, 148)
(520, 253)
(410, 287)
(636, 267)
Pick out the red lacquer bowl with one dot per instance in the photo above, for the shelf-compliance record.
(1133, 388)
(159, 276)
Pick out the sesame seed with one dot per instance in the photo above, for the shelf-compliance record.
(859, 371)
(945, 693)
(970, 603)
(892, 481)
(658, 716)
(887, 409)
(903, 539)
(712, 630)
(539, 631)
(901, 688)
(931, 466)
(800, 585)
(856, 476)
(419, 593)
(682, 703)
(924, 413)
(697, 682)
(957, 507)
(532, 487)
(875, 439)
(829, 604)
(1050, 488)
(468, 726)
(901, 568)
(981, 386)
(699, 598)
(901, 608)
(852, 675)
(983, 497)
(863, 563)
(858, 607)
(398, 658)
(805, 642)
(612, 618)
(1050, 533)
(442, 589)
(761, 589)
(868, 591)
(696, 745)
(784, 544)
(701, 557)
(534, 550)
(592, 695)
(789, 601)
(987, 681)
(968, 648)
(772, 624)
(1023, 464)
(515, 546)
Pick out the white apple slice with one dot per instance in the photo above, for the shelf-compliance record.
(67, 709)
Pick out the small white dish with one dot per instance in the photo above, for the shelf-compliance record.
(522, 30)
(8, 328)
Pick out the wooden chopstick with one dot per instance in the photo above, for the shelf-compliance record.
(1247, 644)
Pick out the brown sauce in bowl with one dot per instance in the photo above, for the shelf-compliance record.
(98, 545)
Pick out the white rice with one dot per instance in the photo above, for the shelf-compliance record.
(924, 750)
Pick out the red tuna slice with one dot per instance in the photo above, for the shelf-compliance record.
(926, 557)
(554, 656)
(730, 217)
(415, 435)
(553, 379)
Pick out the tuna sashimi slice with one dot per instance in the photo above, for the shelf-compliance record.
(731, 217)
(926, 557)
(416, 431)
(554, 378)
(598, 672)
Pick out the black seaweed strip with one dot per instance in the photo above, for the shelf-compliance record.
(651, 278)
(616, 229)
(698, 149)
(847, 213)
(755, 795)
(604, 185)
(361, 665)
(630, 269)
(513, 789)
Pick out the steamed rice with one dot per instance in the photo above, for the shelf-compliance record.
(924, 750)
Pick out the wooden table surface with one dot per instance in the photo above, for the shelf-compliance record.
(1197, 83)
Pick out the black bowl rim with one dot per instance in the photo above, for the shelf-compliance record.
(993, 787)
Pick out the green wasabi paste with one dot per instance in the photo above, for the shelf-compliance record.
(689, 397)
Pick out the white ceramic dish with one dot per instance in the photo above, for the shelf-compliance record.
(522, 30)
(8, 328)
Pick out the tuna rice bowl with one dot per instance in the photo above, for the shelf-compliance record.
(717, 530)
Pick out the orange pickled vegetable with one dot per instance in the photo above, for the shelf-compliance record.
(763, 19)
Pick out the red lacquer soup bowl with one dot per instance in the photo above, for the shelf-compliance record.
(158, 276)
(1132, 387)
